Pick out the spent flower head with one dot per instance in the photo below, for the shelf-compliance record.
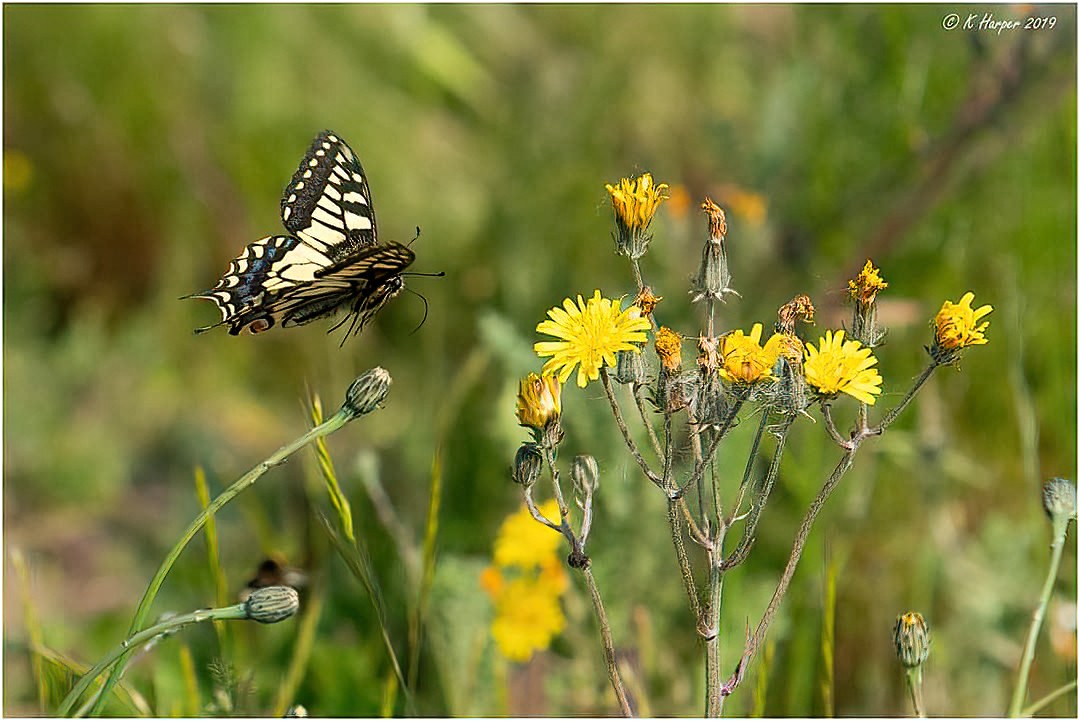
(591, 334)
(713, 279)
(635, 202)
(957, 326)
(839, 366)
(669, 349)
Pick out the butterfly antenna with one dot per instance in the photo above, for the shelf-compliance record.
(415, 237)
(425, 301)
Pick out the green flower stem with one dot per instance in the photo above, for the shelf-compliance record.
(714, 699)
(1048, 699)
(895, 412)
(637, 393)
(914, 684)
(625, 430)
(609, 644)
(755, 641)
(684, 560)
(1061, 529)
(229, 613)
(334, 423)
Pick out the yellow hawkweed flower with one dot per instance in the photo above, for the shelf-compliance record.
(957, 325)
(866, 285)
(839, 366)
(635, 203)
(539, 400)
(743, 359)
(524, 542)
(592, 333)
(669, 348)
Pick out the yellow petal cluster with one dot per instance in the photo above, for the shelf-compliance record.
(866, 285)
(839, 366)
(591, 333)
(669, 348)
(539, 400)
(743, 359)
(635, 201)
(957, 325)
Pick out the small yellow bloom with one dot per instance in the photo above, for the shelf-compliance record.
(524, 542)
(957, 325)
(866, 285)
(743, 359)
(839, 366)
(669, 348)
(635, 201)
(527, 617)
(539, 400)
(592, 333)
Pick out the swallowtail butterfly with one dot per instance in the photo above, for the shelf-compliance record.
(331, 258)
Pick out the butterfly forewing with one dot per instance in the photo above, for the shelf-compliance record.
(328, 203)
(331, 260)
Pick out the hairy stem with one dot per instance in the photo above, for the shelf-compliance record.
(609, 645)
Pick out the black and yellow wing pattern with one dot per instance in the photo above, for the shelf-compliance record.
(330, 260)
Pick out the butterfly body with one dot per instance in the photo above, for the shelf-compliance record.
(331, 259)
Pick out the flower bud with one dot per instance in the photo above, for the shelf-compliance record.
(367, 392)
(296, 711)
(528, 462)
(585, 474)
(272, 603)
(630, 367)
(1059, 498)
(912, 639)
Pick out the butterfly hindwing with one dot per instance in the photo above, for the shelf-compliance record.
(331, 259)
(328, 202)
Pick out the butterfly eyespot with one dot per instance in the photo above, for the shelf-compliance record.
(258, 325)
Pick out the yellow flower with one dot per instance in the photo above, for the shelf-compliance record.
(957, 325)
(539, 400)
(635, 201)
(524, 542)
(867, 284)
(591, 332)
(743, 359)
(839, 366)
(527, 617)
(669, 348)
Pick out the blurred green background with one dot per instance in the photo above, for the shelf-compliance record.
(144, 146)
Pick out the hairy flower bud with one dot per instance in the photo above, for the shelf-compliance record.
(585, 474)
(912, 639)
(367, 392)
(1059, 498)
(272, 604)
(528, 462)
(630, 368)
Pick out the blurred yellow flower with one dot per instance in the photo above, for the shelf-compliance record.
(743, 359)
(524, 542)
(527, 617)
(525, 584)
(957, 325)
(839, 366)
(591, 332)
(539, 400)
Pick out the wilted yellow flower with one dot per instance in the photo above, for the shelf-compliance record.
(669, 348)
(524, 542)
(527, 617)
(717, 219)
(957, 325)
(591, 332)
(743, 359)
(866, 285)
(646, 301)
(839, 366)
(539, 400)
